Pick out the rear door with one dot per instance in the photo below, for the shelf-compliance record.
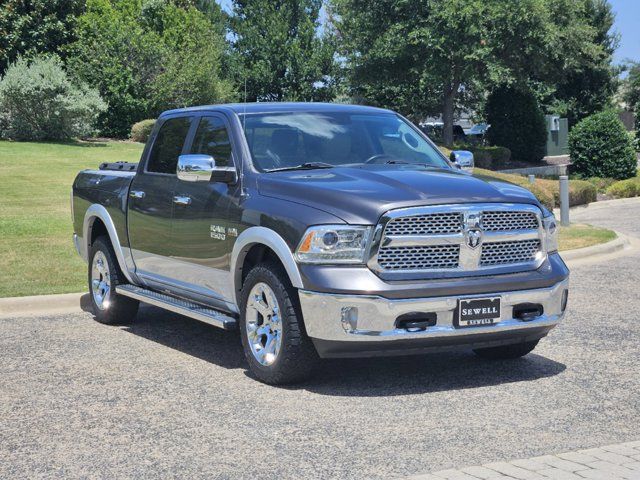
(150, 202)
(201, 239)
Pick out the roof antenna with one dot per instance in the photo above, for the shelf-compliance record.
(244, 132)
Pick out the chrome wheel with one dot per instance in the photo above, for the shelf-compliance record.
(100, 281)
(263, 324)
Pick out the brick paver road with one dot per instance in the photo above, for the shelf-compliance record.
(612, 462)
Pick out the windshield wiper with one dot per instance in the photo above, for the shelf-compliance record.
(397, 162)
(303, 166)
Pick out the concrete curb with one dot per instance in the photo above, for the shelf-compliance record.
(596, 205)
(43, 304)
(601, 249)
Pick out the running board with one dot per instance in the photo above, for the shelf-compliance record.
(177, 305)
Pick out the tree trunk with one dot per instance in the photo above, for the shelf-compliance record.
(447, 117)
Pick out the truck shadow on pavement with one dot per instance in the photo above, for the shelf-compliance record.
(369, 377)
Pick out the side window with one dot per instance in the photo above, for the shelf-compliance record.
(168, 145)
(212, 139)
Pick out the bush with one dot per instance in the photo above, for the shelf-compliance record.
(547, 192)
(581, 192)
(140, 131)
(39, 102)
(517, 122)
(601, 184)
(625, 188)
(600, 146)
(487, 157)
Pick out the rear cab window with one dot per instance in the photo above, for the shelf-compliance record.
(168, 145)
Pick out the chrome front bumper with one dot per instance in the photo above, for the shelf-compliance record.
(365, 324)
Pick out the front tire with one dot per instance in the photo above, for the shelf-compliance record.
(507, 352)
(104, 274)
(274, 341)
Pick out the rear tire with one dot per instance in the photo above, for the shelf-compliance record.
(274, 341)
(104, 274)
(507, 352)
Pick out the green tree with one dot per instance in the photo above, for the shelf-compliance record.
(279, 52)
(432, 56)
(587, 81)
(146, 57)
(28, 27)
(631, 91)
(517, 122)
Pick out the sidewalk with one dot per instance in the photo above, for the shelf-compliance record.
(613, 462)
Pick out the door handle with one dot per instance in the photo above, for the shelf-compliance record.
(182, 200)
(136, 194)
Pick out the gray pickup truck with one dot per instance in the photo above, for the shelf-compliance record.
(319, 230)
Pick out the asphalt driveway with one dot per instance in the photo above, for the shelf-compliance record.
(170, 397)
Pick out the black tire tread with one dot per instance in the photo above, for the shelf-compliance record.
(297, 357)
(122, 309)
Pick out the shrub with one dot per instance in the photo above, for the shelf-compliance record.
(625, 188)
(548, 191)
(543, 194)
(581, 192)
(146, 57)
(140, 131)
(517, 122)
(487, 157)
(39, 102)
(600, 146)
(601, 184)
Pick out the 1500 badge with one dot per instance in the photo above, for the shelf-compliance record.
(218, 232)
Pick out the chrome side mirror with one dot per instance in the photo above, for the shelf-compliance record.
(463, 159)
(195, 168)
(202, 168)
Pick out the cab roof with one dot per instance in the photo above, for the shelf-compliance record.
(280, 107)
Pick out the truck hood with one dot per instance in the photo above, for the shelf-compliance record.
(360, 195)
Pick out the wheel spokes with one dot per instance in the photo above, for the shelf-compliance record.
(263, 324)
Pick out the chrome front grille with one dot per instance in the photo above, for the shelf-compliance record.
(503, 221)
(436, 223)
(419, 258)
(501, 253)
(458, 238)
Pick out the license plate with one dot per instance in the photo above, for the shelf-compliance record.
(474, 312)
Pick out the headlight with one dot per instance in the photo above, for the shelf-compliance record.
(550, 233)
(333, 244)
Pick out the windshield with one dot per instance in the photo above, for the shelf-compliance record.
(286, 140)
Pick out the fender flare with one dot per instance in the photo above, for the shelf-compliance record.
(269, 238)
(98, 211)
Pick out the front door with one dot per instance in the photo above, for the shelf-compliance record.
(150, 202)
(201, 239)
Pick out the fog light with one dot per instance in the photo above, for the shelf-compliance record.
(349, 318)
(565, 298)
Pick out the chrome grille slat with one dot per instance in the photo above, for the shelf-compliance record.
(419, 258)
(434, 239)
(437, 223)
(500, 253)
(502, 221)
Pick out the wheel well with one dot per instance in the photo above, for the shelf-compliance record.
(258, 253)
(97, 229)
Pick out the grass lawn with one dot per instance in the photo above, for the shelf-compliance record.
(36, 249)
(580, 236)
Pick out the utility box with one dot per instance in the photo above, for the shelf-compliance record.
(557, 136)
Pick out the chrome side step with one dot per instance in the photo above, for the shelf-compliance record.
(177, 305)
